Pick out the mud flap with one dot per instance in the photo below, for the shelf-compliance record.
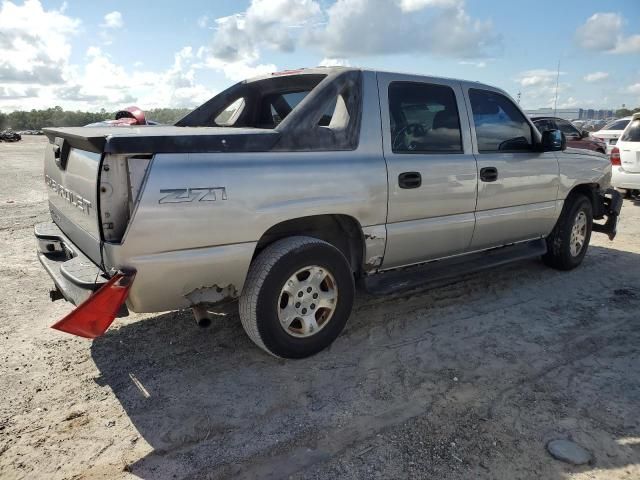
(610, 206)
(94, 316)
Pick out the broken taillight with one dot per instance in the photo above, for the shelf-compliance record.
(93, 316)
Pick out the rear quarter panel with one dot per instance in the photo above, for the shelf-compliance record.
(200, 242)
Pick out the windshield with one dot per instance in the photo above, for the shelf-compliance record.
(616, 125)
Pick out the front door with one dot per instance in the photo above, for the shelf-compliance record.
(518, 185)
(432, 172)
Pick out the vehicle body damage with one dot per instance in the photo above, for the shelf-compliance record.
(315, 155)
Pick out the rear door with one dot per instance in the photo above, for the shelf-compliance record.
(71, 177)
(432, 172)
(629, 146)
(518, 186)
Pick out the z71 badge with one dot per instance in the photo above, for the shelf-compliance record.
(182, 195)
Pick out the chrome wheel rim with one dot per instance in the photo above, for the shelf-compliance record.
(307, 301)
(578, 234)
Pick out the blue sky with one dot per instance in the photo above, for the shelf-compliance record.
(92, 55)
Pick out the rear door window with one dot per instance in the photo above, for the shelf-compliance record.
(424, 118)
(500, 126)
(568, 129)
(632, 133)
(544, 124)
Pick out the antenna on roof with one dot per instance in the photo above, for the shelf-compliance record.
(555, 101)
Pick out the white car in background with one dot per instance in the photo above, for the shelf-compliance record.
(625, 157)
(612, 131)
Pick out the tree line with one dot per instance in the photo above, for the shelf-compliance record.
(625, 112)
(57, 117)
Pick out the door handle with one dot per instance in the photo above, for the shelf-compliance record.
(489, 174)
(409, 180)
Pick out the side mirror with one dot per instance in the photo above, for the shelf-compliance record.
(584, 133)
(553, 141)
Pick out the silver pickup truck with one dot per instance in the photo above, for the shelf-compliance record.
(286, 191)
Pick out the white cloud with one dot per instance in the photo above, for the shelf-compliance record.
(34, 43)
(538, 88)
(635, 88)
(112, 86)
(596, 77)
(414, 5)
(570, 102)
(113, 20)
(266, 23)
(234, 70)
(602, 32)
(351, 27)
(334, 62)
(474, 63)
(357, 28)
(535, 77)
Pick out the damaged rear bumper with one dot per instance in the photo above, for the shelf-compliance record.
(74, 275)
(608, 207)
(98, 298)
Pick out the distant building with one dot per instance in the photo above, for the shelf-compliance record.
(571, 113)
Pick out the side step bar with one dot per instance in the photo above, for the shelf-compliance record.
(407, 278)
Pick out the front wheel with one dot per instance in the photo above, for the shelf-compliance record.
(297, 297)
(568, 242)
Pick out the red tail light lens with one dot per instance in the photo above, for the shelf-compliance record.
(615, 156)
(93, 316)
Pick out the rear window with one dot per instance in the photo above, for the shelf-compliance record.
(276, 107)
(255, 104)
(616, 125)
(632, 133)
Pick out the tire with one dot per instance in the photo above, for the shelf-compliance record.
(267, 310)
(560, 254)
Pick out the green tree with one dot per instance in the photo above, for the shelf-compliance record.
(57, 117)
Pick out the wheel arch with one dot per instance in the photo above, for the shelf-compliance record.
(342, 231)
(589, 190)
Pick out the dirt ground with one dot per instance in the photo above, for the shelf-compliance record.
(468, 379)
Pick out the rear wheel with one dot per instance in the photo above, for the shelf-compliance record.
(568, 242)
(297, 297)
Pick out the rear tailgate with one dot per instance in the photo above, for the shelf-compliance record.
(75, 156)
(71, 171)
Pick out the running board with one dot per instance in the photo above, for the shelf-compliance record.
(407, 278)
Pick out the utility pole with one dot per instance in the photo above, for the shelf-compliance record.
(555, 101)
(519, 94)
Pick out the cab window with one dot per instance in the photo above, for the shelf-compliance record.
(423, 118)
(500, 126)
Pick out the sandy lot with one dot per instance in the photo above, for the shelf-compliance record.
(469, 379)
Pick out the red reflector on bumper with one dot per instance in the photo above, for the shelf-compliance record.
(93, 316)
